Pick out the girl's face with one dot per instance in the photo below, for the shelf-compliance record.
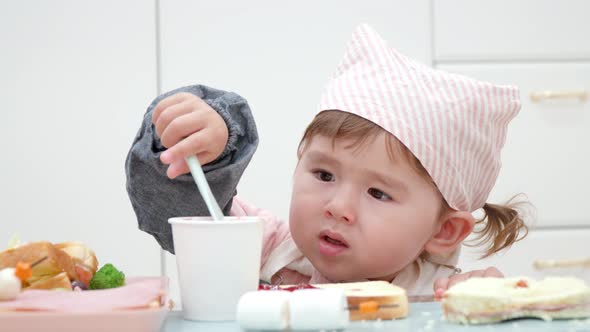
(356, 214)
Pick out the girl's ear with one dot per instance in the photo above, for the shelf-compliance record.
(455, 226)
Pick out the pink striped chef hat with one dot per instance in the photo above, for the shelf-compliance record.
(455, 125)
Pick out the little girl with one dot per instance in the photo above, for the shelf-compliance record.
(390, 171)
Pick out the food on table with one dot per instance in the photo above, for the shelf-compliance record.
(391, 300)
(264, 310)
(59, 281)
(301, 309)
(137, 293)
(79, 286)
(320, 306)
(31, 299)
(10, 284)
(61, 266)
(289, 288)
(57, 260)
(317, 309)
(107, 277)
(368, 300)
(85, 262)
(490, 300)
(23, 270)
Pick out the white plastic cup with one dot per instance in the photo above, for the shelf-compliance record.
(217, 262)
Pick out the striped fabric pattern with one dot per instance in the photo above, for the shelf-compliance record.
(455, 125)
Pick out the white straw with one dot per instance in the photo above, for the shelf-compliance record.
(203, 185)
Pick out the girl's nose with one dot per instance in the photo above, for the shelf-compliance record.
(345, 218)
(342, 207)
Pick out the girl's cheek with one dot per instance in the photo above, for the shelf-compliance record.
(309, 184)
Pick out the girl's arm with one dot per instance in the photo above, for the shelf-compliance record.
(155, 197)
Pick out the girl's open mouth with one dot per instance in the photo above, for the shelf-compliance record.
(332, 244)
(334, 241)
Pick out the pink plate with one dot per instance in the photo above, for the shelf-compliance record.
(128, 308)
(144, 320)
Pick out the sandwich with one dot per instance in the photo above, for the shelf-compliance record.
(372, 300)
(490, 300)
(367, 300)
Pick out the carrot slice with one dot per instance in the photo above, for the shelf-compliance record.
(23, 271)
(368, 307)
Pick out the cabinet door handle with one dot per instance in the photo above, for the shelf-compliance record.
(551, 263)
(537, 96)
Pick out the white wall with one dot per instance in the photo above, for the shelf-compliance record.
(75, 78)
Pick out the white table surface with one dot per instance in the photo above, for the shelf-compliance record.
(423, 317)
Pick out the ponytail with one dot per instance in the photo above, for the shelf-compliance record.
(500, 227)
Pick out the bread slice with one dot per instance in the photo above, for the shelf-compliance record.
(392, 300)
(80, 254)
(85, 262)
(58, 281)
(57, 260)
(489, 300)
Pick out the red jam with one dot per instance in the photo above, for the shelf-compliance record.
(289, 289)
(522, 284)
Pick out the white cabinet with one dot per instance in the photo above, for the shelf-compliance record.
(547, 151)
(467, 30)
(75, 80)
(541, 47)
(541, 246)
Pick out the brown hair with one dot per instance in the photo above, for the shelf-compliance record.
(501, 225)
(337, 124)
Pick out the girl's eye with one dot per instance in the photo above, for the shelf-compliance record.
(378, 194)
(324, 176)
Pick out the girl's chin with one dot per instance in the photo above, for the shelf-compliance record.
(331, 273)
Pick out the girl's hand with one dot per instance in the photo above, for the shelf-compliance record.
(441, 285)
(188, 126)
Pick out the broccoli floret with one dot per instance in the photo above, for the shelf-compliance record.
(107, 277)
